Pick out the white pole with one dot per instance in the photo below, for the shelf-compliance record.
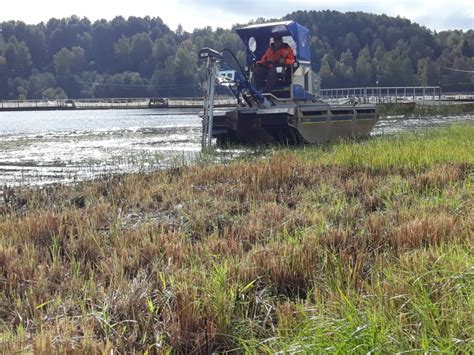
(212, 87)
(205, 120)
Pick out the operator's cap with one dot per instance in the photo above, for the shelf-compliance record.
(277, 37)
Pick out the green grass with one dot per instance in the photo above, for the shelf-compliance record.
(353, 247)
(420, 110)
(421, 302)
(412, 150)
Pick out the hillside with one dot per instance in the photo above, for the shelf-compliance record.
(132, 57)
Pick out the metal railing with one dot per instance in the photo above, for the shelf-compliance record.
(110, 103)
(68, 103)
(384, 93)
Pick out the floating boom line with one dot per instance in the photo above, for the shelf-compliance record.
(459, 70)
(170, 86)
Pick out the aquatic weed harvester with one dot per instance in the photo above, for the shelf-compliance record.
(291, 112)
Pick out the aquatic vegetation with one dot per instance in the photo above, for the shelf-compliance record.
(353, 247)
(419, 110)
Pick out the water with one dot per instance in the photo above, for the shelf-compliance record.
(397, 124)
(66, 146)
(39, 148)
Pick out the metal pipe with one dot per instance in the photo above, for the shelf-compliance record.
(211, 105)
(206, 107)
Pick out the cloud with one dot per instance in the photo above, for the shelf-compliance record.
(451, 20)
(436, 15)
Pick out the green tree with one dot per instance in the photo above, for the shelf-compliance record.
(347, 59)
(396, 70)
(344, 74)
(351, 43)
(164, 76)
(3, 77)
(127, 84)
(18, 58)
(35, 39)
(365, 68)
(53, 94)
(467, 48)
(417, 49)
(394, 49)
(38, 83)
(163, 48)
(180, 75)
(428, 72)
(325, 72)
(18, 89)
(141, 51)
(2, 45)
(186, 64)
(69, 61)
(103, 38)
(123, 54)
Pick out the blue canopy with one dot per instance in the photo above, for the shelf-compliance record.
(264, 31)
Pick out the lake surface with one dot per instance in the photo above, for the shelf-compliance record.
(38, 148)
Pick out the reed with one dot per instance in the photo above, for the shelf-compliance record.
(353, 247)
(421, 110)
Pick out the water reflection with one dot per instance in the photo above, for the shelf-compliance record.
(46, 147)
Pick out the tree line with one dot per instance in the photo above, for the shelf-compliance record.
(137, 57)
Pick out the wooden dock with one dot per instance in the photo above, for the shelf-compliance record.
(109, 104)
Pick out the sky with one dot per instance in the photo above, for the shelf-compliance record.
(435, 14)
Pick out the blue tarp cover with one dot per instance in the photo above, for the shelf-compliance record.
(263, 32)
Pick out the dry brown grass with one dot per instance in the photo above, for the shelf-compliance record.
(198, 258)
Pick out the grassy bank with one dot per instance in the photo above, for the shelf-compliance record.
(353, 247)
(419, 110)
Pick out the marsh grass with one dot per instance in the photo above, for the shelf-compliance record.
(354, 247)
(420, 110)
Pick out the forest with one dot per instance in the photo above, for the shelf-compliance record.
(142, 57)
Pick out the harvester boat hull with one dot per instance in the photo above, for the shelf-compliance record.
(293, 123)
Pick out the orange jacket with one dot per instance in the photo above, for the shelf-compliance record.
(274, 56)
